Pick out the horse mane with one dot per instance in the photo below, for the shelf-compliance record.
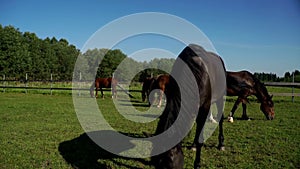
(262, 92)
(173, 94)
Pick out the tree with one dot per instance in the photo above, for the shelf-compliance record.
(110, 62)
(13, 52)
(26, 53)
(287, 76)
(23, 53)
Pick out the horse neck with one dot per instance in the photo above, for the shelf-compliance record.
(261, 91)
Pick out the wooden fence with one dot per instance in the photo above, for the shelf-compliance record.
(24, 85)
(292, 85)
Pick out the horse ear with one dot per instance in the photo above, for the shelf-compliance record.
(271, 96)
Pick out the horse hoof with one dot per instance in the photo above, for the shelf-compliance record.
(230, 119)
(213, 121)
(197, 166)
(245, 118)
(222, 148)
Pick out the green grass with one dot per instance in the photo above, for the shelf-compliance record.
(42, 131)
(282, 89)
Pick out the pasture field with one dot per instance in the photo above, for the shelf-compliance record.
(42, 131)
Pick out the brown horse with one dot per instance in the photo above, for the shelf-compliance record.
(183, 95)
(160, 82)
(146, 88)
(244, 84)
(101, 83)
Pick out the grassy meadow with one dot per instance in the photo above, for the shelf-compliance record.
(39, 130)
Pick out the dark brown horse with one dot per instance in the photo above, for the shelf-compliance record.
(101, 83)
(160, 82)
(188, 91)
(244, 84)
(146, 88)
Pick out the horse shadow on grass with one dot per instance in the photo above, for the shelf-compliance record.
(82, 153)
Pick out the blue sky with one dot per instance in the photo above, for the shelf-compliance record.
(257, 35)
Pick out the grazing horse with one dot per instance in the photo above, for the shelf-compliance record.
(101, 83)
(146, 88)
(207, 72)
(160, 82)
(244, 84)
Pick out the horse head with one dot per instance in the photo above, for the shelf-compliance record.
(171, 159)
(267, 107)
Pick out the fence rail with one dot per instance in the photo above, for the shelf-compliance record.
(51, 88)
(282, 84)
(286, 94)
(60, 88)
(285, 84)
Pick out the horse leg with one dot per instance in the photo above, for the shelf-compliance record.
(244, 116)
(235, 106)
(113, 93)
(152, 98)
(221, 145)
(148, 98)
(161, 93)
(92, 90)
(199, 138)
(211, 118)
(143, 96)
(220, 105)
(96, 92)
(198, 154)
(198, 143)
(102, 95)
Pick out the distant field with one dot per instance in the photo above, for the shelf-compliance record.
(42, 131)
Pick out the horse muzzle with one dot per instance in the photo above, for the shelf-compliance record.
(270, 117)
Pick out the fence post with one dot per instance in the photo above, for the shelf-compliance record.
(80, 84)
(111, 89)
(4, 83)
(51, 79)
(293, 96)
(26, 78)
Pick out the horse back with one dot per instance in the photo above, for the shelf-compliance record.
(182, 84)
(105, 82)
(240, 83)
(206, 66)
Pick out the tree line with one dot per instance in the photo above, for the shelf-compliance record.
(26, 53)
(116, 63)
(272, 77)
(23, 53)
